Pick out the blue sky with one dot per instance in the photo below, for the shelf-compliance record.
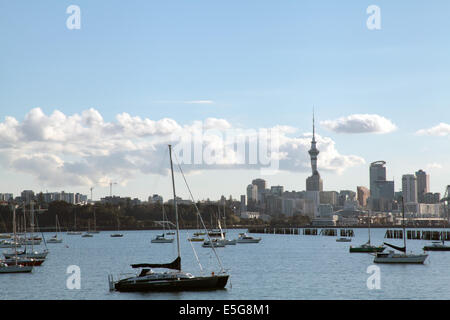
(261, 63)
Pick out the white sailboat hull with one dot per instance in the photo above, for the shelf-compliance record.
(54, 240)
(162, 240)
(400, 258)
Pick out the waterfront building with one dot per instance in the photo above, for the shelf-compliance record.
(431, 197)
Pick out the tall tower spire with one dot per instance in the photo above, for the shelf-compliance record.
(314, 183)
(314, 127)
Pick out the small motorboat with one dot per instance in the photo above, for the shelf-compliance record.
(162, 239)
(437, 246)
(216, 243)
(6, 268)
(74, 233)
(343, 240)
(116, 235)
(244, 238)
(54, 239)
(87, 235)
(196, 239)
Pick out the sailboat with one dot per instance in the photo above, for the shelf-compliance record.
(219, 242)
(55, 238)
(95, 225)
(88, 234)
(173, 280)
(37, 255)
(197, 235)
(439, 245)
(367, 247)
(15, 266)
(117, 235)
(392, 257)
(74, 233)
(161, 238)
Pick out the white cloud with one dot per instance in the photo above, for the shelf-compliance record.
(434, 165)
(360, 123)
(442, 130)
(200, 102)
(84, 150)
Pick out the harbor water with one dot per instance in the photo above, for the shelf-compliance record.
(279, 267)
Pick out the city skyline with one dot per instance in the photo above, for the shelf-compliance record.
(82, 110)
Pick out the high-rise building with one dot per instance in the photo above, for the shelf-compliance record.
(243, 206)
(27, 196)
(363, 195)
(423, 185)
(381, 190)
(377, 173)
(277, 190)
(261, 183)
(409, 188)
(252, 195)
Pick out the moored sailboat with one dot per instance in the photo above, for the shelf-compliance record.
(404, 257)
(367, 247)
(173, 280)
(162, 237)
(55, 238)
(14, 266)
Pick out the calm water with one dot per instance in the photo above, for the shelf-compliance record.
(279, 267)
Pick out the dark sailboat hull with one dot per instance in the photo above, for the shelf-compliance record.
(367, 249)
(197, 283)
(433, 248)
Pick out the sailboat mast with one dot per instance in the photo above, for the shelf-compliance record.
(175, 201)
(404, 230)
(15, 235)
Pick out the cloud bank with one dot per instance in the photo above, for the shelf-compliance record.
(441, 130)
(360, 123)
(85, 150)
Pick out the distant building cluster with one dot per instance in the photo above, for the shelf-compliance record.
(345, 206)
(121, 201)
(27, 196)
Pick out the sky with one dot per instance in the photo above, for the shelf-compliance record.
(81, 108)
